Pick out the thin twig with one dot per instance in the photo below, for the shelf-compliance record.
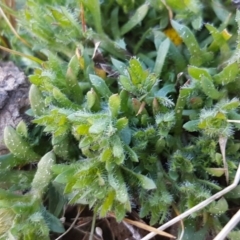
(72, 225)
(198, 207)
(93, 225)
(228, 227)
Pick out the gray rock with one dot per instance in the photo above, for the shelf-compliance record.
(13, 98)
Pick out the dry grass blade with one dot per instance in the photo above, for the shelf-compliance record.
(229, 226)
(148, 228)
(170, 13)
(37, 60)
(84, 27)
(13, 29)
(222, 143)
(142, 106)
(145, 227)
(198, 206)
(11, 4)
(181, 222)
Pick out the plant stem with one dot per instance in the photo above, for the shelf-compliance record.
(93, 225)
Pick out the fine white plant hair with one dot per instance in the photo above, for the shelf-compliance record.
(233, 222)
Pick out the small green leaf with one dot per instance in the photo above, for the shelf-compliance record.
(161, 56)
(216, 172)
(220, 10)
(173, 175)
(181, 102)
(8, 161)
(56, 199)
(100, 86)
(65, 176)
(18, 146)
(120, 211)
(138, 16)
(227, 75)
(117, 182)
(209, 88)
(219, 42)
(132, 154)
(176, 5)
(117, 147)
(198, 56)
(106, 155)
(63, 100)
(198, 73)
(137, 73)
(165, 90)
(121, 123)
(22, 129)
(234, 194)
(197, 23)
(107, 204)
(35, 79)
(114, 103)
(146, 182)
(94, 8)
(234, 235)
(82, 129)
(52, 222)
(60, 17)
(93, 101)
(85, 142)
(218, 207)
(126, 83)
(43, 175)
(229, 105)
(124, 95)
(115, 23)
(37, 101)
(71, 79)
(98, 126)
(120, 66)
(191, 126)
(125, 135)
(190, 231)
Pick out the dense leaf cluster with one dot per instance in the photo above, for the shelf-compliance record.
(134, 100)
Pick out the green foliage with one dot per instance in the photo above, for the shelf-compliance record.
(121, 137)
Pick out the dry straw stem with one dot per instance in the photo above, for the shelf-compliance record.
(34, 59)
(199, 206)
(145, 227)
(181, 222)
(12, 28)
(233, 121)
(222, 143)
(228, 227)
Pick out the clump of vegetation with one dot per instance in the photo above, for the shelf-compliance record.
(131, 103)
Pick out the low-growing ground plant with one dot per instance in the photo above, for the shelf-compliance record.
(131, 102)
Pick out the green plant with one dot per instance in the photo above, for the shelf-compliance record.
(129, 127)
